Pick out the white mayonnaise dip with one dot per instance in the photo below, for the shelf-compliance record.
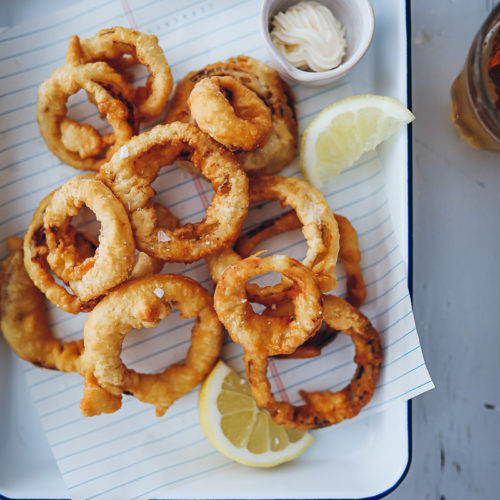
(309, 37)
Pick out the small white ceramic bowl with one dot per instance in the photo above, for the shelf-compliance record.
(358, 20)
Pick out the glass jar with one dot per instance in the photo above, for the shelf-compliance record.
(475, 94)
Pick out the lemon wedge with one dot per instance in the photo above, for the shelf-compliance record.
(341, 133)
(239, 429)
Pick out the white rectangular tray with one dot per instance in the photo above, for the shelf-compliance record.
(362, 458)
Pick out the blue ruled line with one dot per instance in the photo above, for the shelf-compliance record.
(171, 64)
(200, 19)
(191, 460)
(400, 357)
(399, 338)
(211, 469)
(52, 394)
(399, 395)
(400, 376)
(138, 446)
(49, 27)
(150, 457)
(396, 322)
(114, 424)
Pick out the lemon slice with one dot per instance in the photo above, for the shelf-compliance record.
(344, 131)
(239, 429)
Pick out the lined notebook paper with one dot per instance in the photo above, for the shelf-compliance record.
(132, 454)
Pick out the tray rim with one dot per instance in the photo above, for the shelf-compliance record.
(400, 479)
(409, 166)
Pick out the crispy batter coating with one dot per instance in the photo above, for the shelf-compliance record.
(80, 145)
(121, 47)
(349, 253)
(281, 145)
(262, 333)
(311, 347)
(151, 265)
(231, 113)
(35, 262)
(115, 255)
(140, 303)
(318, 226)
(325, 408)
(350, 256)
(23, 322)
(130, 179)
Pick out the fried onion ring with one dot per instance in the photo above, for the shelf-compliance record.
(111, 45)
(349, 253)
(25, 327)
(143, 303)
(115, 255)
(281, 145)
(23, 321)
(36, 252)
(318, 226)
(80, 145)
(231, 113)
(266, 334)
(151, 265)
(311, 347)
(326, 408)
(35, 262)
(130, 179)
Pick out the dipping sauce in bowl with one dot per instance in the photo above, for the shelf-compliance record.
(309, 36)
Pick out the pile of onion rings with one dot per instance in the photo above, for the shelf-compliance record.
(271, 151)
(97, 65)
(233, 123)
(271, 335)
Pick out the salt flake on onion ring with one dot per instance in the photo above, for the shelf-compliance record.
(81, 145)
(262, 333)
(319, 227)
(130, 179)
(138, 304)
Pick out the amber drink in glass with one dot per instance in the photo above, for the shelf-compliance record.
(475, 94)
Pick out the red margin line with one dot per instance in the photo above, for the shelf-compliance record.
(279, 383)
(128, 13)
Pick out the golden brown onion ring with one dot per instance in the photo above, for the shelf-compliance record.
(318, 226)
(326, 408)
(111, 45)
(130, 179)
(25, 327)
(35, 262)
(261, 333)
(115, 255)
(80, 145)
(231, 113)
(280, 147)
(23, 321)
(349, 253)
(144, 303)
(311, 347)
